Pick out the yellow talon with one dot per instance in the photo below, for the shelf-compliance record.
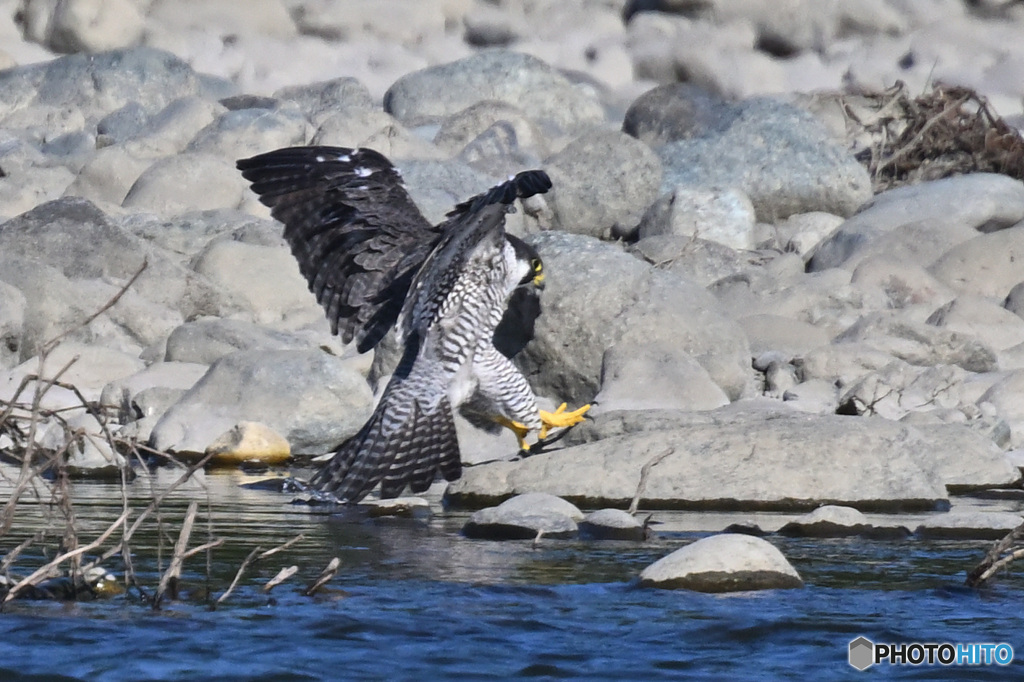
(517, 428)
(560, 419)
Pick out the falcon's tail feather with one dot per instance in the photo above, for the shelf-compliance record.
(401, 444)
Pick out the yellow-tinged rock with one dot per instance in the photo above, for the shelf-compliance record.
(248, 441)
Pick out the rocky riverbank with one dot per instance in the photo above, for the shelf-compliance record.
(728, 278)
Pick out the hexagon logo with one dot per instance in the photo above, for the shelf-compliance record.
(862, 653)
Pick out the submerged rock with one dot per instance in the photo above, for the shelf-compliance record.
(524, 517)
(969, 525)
(831, 521)
(723, 563)
(611, 524)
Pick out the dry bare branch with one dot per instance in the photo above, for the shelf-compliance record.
(44, 570)
(645, 472)
(325, 576)
(281, 576)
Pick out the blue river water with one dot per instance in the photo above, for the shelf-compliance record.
(414, 600)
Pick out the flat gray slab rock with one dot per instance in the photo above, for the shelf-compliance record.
(523, 517)
(969, 525)
(729, 460)
(723, 563)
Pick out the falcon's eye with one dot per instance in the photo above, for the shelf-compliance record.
(536, 265)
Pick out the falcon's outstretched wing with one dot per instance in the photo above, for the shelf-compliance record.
(357, 235)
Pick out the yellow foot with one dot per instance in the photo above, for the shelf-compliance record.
(517, 428)
(560, 419)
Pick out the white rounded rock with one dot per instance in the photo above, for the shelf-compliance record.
(723, 563)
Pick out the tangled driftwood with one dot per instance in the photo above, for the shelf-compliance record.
(949, 130)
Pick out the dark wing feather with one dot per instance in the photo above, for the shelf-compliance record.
(356, 233)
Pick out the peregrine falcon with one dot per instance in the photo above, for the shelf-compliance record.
(373, 261)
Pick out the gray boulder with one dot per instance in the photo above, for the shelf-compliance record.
(723, 563)
(430, 95)
(311, 398)
(598, 296)
(986, 265)
(523, 517)
(920, 222)
(809, 171)
(675, 111)
(326, 98)
(56, 95)
(698, 260)
(918, 343)
(603, 183)
(206, 341)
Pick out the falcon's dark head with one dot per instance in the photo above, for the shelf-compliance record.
(530, 265)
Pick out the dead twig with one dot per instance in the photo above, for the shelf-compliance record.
(325, 576)
(645, 471)
(281, 576)
(45, 570)
(173, 571)
(255, 555)
(995, 560)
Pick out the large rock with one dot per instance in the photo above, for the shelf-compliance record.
(674, 111)
(809, 171)
(729, 459)
(558, 106)
(97, 255)
(207, 340)
(187, 182)
(603, 181)
(75, 91)
(723, 563)
(311, 398)
(89, 368)
(597, 297)
(266, 278)
(92, 25)
(247, 132)
(987, 265)
(725, 216)
(921, 222)
(919, 343)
